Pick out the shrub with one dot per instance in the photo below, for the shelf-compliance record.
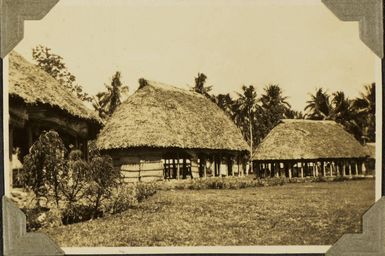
(104, 178)
(42, 217)
(73, 189)
(34, 217)
(122, 198)
(43, 165)
(145, 190)
(73, 186)
(127, 196)
(77, 212)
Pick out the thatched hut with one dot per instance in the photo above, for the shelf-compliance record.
(299, 148)
(37, 103)
(163, 131)
(371, 161)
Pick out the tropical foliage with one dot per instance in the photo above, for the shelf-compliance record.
(54, 65)
(256, 116)
(106, 102)
(65, 181)
(357, 115)
(43, 166)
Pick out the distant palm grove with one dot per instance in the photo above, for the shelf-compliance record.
(255, 115)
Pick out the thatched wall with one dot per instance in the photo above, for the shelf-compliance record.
(307, 139)
(163, 116)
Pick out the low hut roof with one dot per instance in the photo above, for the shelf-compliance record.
(159, 115)
(308, 139)
(33, 85)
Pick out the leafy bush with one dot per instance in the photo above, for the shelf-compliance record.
(67, 189)
(33, 217)
(102, 181)
(128, 195)
(43, 165)
(73, 187)
(122, 198)
(77, 212)
(145, 190)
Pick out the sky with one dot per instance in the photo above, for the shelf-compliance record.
(297, 44)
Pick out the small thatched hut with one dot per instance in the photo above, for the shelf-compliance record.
(37, 103)
(309, 148)
(163, 131)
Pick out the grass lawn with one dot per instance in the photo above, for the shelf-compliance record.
(293, 214)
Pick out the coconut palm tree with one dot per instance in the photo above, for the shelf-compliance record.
(273, 97)
(318, 106)
(365, 107)
(247, 106)
(226, 103)
(275, 106)
(106, 102)
(343, 112)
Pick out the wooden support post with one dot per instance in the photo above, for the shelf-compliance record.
(356, 168)
(264, 170)
(178, 168)
(290, 168)
(363, 168)
(228, 159)
(184, 168)
(344, 168)
(336, 168)
(313, 169)
(302, 165)
(204, 168)
(215, 166)
(173, 169)
(350, 168)
(331, 168)
(277, 169)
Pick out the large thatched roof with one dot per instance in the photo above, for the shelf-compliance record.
(306, 139)
(33, 86)
(160, 116)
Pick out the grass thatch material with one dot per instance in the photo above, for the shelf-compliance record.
(159, 115)
(34, 86)
(306, 139)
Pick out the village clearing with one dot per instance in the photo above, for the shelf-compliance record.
(292, 214)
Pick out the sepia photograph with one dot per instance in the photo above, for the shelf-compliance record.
(173, 123)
